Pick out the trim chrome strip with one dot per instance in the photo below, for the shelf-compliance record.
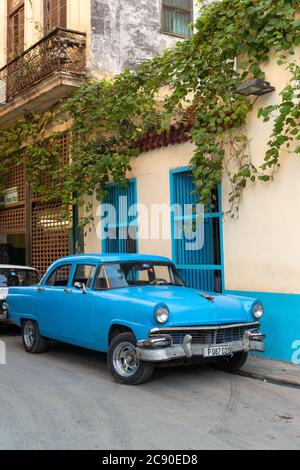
(199, 328)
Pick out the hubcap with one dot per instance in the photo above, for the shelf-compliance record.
(125, 360)
(29, 334)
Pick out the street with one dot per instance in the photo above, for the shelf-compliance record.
(67, 399)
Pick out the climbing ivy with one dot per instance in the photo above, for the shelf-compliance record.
(193, 82)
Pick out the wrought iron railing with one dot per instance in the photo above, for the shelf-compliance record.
(61, 50)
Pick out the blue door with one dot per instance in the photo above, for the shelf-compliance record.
(121, 231)
(78, 308)
(202, 268)
(48, 300)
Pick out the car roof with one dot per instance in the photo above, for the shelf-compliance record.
(14, 266)
(113, 257)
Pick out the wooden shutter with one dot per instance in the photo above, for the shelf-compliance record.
(21, 31)
(55, 15)
(15, 29)
(63, 14)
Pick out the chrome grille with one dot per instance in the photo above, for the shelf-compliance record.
(210, 335)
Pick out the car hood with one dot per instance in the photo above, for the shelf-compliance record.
(187, 307)
(3, 293)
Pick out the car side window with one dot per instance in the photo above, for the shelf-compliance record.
(84, 274)
(32, 278)
(60, 276)
(101, 281)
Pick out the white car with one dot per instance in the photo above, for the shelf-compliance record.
(14, 276)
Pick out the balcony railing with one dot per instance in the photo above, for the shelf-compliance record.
(61, 50)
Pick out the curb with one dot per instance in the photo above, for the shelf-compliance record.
(269, 378)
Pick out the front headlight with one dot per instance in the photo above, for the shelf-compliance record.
(258, 311)
(161, 315)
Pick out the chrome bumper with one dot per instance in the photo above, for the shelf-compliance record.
(159, 348)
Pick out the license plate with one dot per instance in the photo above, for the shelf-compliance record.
(217, 351)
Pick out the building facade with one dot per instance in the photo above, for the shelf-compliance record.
(47, 49)
(255, 254)
(64, 41)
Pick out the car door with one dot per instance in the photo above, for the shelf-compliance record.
(48, 301)
(78, 307)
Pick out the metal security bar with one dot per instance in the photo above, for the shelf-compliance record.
(202, 268)
(121, 229)
(61, 50)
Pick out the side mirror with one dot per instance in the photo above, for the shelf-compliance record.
(80, 286)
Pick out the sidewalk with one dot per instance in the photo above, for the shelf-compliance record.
(272, 371)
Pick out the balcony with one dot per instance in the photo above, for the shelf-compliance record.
(50, 70)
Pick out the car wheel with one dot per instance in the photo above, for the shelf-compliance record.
(232, 364)
(123, 362)
(33, 342)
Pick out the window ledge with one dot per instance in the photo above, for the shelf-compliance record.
(174, 35)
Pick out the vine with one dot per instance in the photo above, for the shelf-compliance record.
(195, 81)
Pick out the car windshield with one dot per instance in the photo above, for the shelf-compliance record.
(118, 275)
(10, 277)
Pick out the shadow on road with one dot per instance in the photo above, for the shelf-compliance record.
(65, 354)
(9, 331)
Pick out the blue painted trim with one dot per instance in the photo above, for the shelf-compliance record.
(136, 201)
(280, 323)
(172, 199)
(200, 267)
(182, 169)
(212, 215)
(221, 236)
(117, 225)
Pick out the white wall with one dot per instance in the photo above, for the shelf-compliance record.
(262, 246)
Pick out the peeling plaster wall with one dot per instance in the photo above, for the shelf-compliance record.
(124, 32)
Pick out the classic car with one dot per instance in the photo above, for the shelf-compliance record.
(14, 276)
(137, 310)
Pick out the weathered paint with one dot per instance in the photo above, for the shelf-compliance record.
(123, 33)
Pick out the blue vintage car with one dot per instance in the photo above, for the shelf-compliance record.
(137, 309)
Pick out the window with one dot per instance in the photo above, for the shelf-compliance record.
(201, 268)
(133, 274)
(55, 15)
(15, 28)
(59, 277)
(120, 232)
(177, 16)
(84, 274)
(18, 277)
(101, 281)
(32, 278)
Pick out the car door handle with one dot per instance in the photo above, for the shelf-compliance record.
(40, 289)
(67, 291)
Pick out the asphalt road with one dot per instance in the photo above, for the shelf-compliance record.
(67, 399)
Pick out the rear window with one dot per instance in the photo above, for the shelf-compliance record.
(18, 277)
